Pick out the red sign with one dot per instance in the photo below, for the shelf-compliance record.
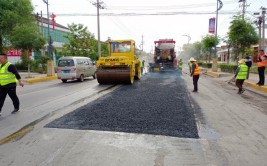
(212, 25)
(15, 52)
(53, 20)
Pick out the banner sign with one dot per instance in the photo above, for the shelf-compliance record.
(212, 25)
(16, 52)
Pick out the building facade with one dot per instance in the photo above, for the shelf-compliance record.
(57, 33)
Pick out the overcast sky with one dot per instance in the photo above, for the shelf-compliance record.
(154, 19)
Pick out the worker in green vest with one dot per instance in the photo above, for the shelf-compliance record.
(190, 66)
(241, 75)
(180, 64)
(9, 77)
(142, 66)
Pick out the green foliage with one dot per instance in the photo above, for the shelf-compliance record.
(82, 43)
(43, 62)
(200, 63)
(206, 65)
(27, 37)
(242, 34)
(25, 59)
(20, 66)
(35, 66)
(209, 42)
(191, 50)
(13, 14)
(229, 68)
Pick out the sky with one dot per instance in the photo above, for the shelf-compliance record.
(149, 20)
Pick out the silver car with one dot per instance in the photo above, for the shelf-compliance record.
(72, 68)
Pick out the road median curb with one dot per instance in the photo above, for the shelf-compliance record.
(33, 80)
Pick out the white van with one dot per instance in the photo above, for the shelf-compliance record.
(71, 68)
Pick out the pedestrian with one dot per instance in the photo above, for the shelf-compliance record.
(261, 63)
(241, 75)
(181, 64)
(195, 72)
(9, 77)
(248, 63)
(190, 66)
(142, 66)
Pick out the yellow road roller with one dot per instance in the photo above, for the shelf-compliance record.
(121, 65)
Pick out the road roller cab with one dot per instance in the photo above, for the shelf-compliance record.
(120, 66)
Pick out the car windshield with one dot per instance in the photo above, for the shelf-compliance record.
(66, 62)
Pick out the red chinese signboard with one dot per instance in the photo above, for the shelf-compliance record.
(15, 52)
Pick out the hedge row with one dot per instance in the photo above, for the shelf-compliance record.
(228, 68)
(205, 65)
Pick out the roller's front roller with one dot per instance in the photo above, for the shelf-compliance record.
(114, 76)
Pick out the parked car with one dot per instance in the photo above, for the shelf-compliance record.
(72, 68)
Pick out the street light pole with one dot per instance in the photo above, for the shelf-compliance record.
(49, 40)
(188, 38)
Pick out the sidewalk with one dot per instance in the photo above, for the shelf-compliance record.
(33, 77)
(250, 83)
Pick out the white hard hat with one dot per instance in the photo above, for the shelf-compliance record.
(192, 59)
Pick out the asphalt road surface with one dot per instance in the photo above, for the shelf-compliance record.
(159, 104)
(224, 128)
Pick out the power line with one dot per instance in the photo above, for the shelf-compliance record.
(199, 5)
(229, 12)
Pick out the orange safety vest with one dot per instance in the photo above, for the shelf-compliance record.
(263, 61)
(197, 71)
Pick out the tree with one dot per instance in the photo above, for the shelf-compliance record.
(12, 14)
(26, 37)
(242, 34)
(81, 43)
(191, 50)
(209, 42)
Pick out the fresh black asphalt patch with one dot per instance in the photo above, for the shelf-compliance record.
(157, 104)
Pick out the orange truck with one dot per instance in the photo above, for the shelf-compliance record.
(164, 55)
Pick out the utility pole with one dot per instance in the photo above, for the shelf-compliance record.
(219, 2)
(49, 50)
(98, 6)
(263, 27)
(215, 60)
(243, 8)
(50, 62)
(142, 43)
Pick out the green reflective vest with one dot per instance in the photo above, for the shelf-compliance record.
(6, 77)
(190, 64)
(242, 74)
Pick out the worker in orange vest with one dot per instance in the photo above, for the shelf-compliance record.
(261, 63)
(195, 72)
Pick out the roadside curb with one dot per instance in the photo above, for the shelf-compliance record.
(254, 86)
(213, 74)
(33, 80)
(246, 83)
